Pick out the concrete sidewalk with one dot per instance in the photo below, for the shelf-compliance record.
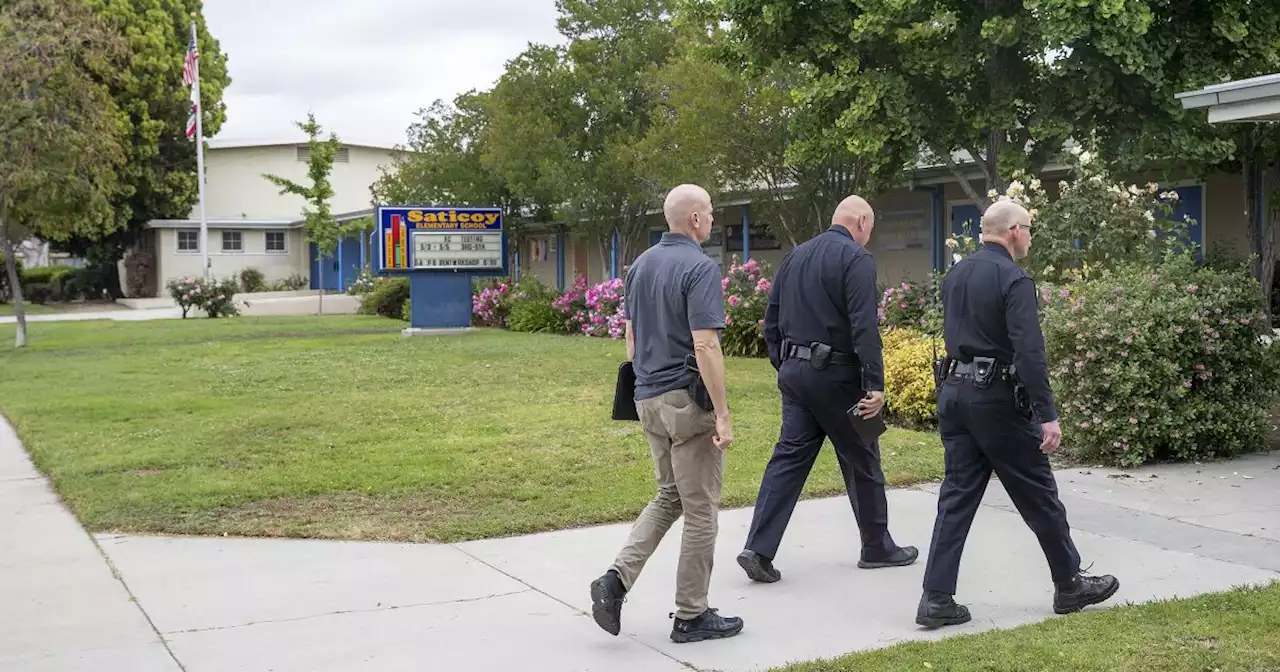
(333, 304)
(522, 603)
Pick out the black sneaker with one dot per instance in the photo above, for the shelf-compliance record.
(607, 596)
(758, 568)
(710, 625)
(905, 555)
(1083, 591)
(937, 610)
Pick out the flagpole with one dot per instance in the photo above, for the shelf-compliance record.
(199, 111)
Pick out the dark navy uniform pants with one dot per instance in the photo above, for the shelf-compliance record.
(813, 408)
(982, 431)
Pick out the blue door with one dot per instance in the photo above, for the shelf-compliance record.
(1191, 203)
(966, 219)
(340, 269)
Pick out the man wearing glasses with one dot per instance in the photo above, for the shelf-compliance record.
(996, 413)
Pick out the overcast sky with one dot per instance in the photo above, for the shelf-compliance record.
(363, 66)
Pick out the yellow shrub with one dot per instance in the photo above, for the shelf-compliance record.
(908, 377)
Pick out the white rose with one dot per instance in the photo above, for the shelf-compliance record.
(1149, 215)
(1086, 158)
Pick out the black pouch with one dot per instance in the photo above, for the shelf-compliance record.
(984, 372)
(1022, 400)
(698, 389)
(941, 367)
(819, 355)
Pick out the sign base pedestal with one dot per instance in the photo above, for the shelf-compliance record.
(440, 300)
(436, 332)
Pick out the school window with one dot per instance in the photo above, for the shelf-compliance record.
(189, 241)
(276, 242)
(232, 241)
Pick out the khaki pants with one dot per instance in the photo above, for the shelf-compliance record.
(689, 469)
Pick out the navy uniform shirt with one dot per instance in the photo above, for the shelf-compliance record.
(672, 290)
(825, 292)
(989, 308)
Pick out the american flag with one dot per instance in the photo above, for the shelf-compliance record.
(189, 65)
(191, 119)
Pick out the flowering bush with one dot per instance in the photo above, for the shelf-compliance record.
(1095, 222)
(185, 292)
(593, 310)
(490, 307)
(912, 305)
(362, 285)
(573, 306)
(746, 295)
(1171, 361)
(216, 298)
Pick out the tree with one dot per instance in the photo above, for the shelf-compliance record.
(158, 181)
(318, 221)
(1183, 46)
(60, 133)
(742, 128)
(570, 122)
(445, 164)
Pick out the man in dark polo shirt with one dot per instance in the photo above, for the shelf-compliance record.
(674, 308)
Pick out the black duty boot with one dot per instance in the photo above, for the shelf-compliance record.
(1082, 591)
(758, 567)
(710, 625)
(940, 609)
(607, 596)
(905, 555)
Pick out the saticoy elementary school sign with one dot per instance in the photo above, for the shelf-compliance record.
(441, 249)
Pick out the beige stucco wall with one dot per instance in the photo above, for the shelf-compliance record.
(901, 239)
(172, 264)
(235, 188)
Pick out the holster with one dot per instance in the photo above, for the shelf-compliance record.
(1021, 398)
(698, 389)
(820, 355)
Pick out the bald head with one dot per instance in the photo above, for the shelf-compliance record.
(1007, 223)
(1002, 216)
(688, 211)
(856, 215)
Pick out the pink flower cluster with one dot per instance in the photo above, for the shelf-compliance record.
(491, 304)
(593, 310)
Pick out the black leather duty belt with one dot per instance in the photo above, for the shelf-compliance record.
(968, 369)
(806, 353)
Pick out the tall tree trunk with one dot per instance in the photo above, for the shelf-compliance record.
(11, 267)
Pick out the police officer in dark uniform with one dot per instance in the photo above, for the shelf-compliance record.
(822, 331)
(996, 413)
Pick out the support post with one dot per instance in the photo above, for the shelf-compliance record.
(746, 232)
(613, 255)
(938, 227)
(340, 273)
(560, 260)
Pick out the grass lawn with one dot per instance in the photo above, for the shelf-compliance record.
(340, 427)
(1236, 631)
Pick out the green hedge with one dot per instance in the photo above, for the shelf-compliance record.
(1171, 362)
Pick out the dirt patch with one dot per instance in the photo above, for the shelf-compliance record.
(328, 516)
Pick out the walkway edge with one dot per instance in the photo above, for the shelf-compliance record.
(14, 456)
